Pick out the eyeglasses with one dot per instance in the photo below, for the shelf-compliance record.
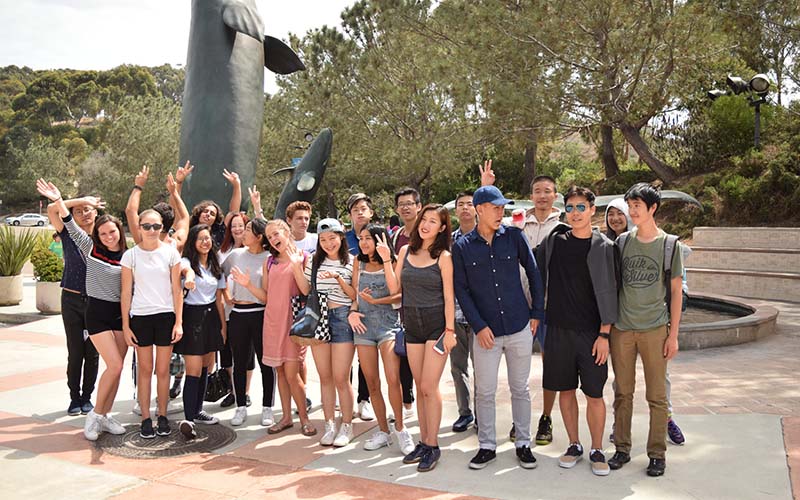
(407, 204)
(580, 206)
(151, 227)
(85, 211)
(204, 240)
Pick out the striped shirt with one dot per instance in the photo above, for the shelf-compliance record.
(331, 286)
(103, 272)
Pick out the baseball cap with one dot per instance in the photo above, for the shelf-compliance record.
(490, 194)
(329, 224)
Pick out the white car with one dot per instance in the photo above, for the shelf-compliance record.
(27, 220)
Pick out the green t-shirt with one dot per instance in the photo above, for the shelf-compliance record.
(641, 301)
(56, 248)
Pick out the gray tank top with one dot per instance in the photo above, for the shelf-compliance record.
(422, 286)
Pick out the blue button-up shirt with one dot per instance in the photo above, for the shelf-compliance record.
(487, 281)
(352, 241)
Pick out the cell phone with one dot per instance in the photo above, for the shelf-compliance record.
(439, 345)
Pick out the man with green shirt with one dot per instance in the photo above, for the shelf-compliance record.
(645, 327)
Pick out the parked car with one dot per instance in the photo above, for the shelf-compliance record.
(27, 220)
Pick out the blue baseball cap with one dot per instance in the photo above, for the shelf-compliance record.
(490, 194)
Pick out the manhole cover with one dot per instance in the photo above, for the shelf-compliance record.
(132, 445)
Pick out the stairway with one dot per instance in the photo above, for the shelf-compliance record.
(756, 262)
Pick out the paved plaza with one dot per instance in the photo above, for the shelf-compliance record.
(738, 406)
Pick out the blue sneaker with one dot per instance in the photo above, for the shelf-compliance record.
(462, 424)
(674, 433)
(429, 459)
(87, 407)
(74, 408)
(416, 456)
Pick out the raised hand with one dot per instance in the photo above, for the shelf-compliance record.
(382, 247)
(141, 177)
(231, 177)
(48, 190)
(297, 258)
(487, 174)
(172, 186)
(183, 172)
(255, 196)
(95, 201)
(239, 277)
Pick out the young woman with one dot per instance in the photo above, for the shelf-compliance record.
(617, 219)
(103, 251)
(248, 292)
(334, 359)
(203, 323)
(279, 351)
(375, 323)
(152, 314)
(424, 272)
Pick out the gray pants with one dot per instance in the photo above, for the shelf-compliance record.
(459, 367)
(517, 350)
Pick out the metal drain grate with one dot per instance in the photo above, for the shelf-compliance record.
(132, 445)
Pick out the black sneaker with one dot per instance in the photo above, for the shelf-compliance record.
(175, 390)
(526, 458)
(462, 423)
(571, 457)
(86, 407)
(619, 459)
(163, 426)
(228, 400)
(429, 459)
(187, 429)
(656, 467)
(544, 435)
(512, 434)
(416, 455)
(147, 431)
(74, 408)
(482, 458)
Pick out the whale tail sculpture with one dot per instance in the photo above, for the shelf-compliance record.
(307, 175)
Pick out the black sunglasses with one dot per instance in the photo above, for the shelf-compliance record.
(151, 227)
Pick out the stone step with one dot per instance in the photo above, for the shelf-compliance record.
(747, 237)
(745, 259)
(755, 284)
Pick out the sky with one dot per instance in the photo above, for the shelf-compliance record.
(102, 34)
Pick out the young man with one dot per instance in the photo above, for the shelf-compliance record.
(487, 281)
(407, 204)
(82, 357)
(646, 326)
(298, 216)
(579, 270)
(462, 352)
(359, 206)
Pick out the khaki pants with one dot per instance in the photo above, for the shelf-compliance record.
(625, 345)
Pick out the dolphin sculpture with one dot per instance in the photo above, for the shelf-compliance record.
(223, 97)
(307, 175)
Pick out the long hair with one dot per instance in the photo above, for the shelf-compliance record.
(96, 234)
(376, 230)
(198, 209)
(191, 253)
(442, 241)
(343, 255)
(283, 226)
(228, 241)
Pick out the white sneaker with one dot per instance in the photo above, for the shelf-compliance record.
(404, 441)
(365, 411)
(378, 440)
(112, 426)
(136, 408)
(330, 433)
(92, 427)
(408, 413)
(345, 435)
(267, 418)
(240, 416)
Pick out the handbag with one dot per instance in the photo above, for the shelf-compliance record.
(310, 325)
(400, 341)
(219, 384)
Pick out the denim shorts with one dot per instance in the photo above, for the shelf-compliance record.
(341, 333)
(382, 325)
(423, 323)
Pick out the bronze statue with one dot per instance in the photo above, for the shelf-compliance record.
(307, 175)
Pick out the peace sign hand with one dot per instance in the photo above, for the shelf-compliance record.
(487, 174)
(382, 247)
(48, 190)
(183, 172)
(255, 196)
(141, 177)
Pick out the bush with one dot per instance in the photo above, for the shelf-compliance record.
(47, 266)
(15, 249)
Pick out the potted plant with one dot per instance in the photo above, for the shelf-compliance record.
(47, 269)
(15, 249)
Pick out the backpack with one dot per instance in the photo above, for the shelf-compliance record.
(670, 244)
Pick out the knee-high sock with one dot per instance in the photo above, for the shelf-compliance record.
(190, 397)
(201, 389)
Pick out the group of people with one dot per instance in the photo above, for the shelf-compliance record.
(201, 283)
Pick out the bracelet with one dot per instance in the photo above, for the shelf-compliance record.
(604, 335)
(449, 330)
(138, 187)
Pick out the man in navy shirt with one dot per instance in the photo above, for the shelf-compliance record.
(486, 275)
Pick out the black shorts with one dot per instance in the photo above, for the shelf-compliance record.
(153, 329)
(103, 316)
(202, 332)
(422, 324)
(569, 358)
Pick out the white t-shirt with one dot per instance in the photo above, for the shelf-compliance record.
(309, 243)
(206, 286)
(152, 284)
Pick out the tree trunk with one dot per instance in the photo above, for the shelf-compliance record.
(634, 137)
(609, 156)
(529, 164)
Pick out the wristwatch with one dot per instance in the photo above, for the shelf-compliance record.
(604, 335)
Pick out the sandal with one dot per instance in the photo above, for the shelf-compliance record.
(308, 429)
(279, 427)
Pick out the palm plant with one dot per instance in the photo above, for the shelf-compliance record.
(15, 249)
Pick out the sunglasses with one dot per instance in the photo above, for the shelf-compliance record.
(151, 227)
(580, 206)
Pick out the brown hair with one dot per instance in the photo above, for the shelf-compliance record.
(442, 241)
(198, 209)
(295, 206)
(227, 241)
(96, 233)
